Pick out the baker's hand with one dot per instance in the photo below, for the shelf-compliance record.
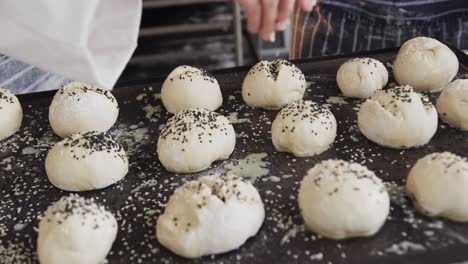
(267, 16)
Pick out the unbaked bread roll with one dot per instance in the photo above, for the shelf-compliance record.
(398, 118)
(86, 161)
(426, 64)
(438, 185)
(11, 114)
(188, 87)
(273, 84)
(340, 200)
(75, 230)
(452, 104)
(193, 139)
(80, 107)
(303, 128)
(361, 77)
(211, 215)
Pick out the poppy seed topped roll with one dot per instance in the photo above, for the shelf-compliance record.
(361, 77)
(193, 139)
(452, 104)
(80, 107)
(188, 87)
(426, 64)
(273, 84)
(398, 118)
(210, 215)
(75, 230)
(340, 199)
(86, 161)
(303, 128)
(438, 185)
(11, 114)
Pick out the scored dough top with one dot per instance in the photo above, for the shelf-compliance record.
(273, 68)
(185, 72)
(396, 99)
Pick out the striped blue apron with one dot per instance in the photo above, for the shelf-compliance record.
(344, 26)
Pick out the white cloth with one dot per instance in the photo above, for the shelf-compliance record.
(85, 40)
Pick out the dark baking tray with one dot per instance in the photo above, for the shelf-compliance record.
(137, 200)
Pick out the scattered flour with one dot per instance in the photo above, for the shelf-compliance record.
(233, 118)
(157, 96)
(272, 178)
(336, 100)
(152, 112)
(251, 167)
(318, 256)
(145, 184)
(292, 233)
(30, 151)
(404, 247)
(141, 96)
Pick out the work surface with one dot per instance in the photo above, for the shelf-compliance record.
(139, 198)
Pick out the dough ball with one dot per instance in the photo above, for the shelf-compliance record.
(11, 114)
(452, 104)
(273, 84)
(398, 118)
(75, 230)
(188, 87)
(438, 184)
(211, 215)
(361, 77)
(86, 161)
(339, 199)
(193, 139)
(79, 107)
(426, 64)
(303, 128)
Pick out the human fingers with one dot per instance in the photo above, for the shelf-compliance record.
(307, 5)
(285, 8)
(269, 15)
(252, 10)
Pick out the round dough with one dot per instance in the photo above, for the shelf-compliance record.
(79, 107)
(361, 77)
(211, 215)
(193, 139)
(340, 200)
(452, 104)
(188, 87)
(438, 185)
(398, 118)
(86, 161)
(75, 230)
(11, 114)
(303, 128)
(273, 84)
(426, 64)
